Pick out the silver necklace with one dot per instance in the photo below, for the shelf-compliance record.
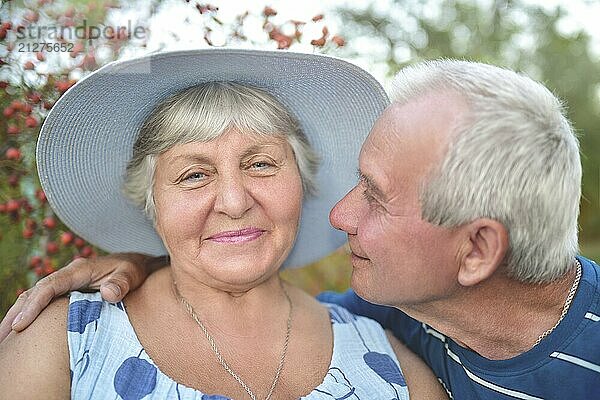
(220, 358)
(566, 306)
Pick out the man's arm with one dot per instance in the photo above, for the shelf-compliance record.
(114, 275)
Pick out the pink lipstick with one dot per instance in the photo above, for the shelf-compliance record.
(240, 236)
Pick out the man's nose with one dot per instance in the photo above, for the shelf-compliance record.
(346, 213)
(233, 197)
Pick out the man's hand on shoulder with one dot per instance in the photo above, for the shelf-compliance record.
(114, 275)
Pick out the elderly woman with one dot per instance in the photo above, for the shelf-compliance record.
(220, 168)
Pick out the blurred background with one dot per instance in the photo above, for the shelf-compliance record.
(46, 46)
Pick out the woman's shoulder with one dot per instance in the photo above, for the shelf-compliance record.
(86, 308)
(362, 342)
(91, 322)
(342, 316)
(104, 351)
(85, 314)
(363, 363)
(38, 354)
(50, 325)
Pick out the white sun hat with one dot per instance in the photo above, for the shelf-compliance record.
(87, 138)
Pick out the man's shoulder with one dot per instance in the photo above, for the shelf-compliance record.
(586, 307)
(588, 293)
(591, 270)
(357, 305)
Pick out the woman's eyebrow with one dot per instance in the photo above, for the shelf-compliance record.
(259, 148)
(191, 157)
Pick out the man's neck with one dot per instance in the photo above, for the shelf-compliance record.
(500, 318)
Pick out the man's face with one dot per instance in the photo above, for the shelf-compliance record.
(398, 258)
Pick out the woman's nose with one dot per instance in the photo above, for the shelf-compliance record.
(233, 197)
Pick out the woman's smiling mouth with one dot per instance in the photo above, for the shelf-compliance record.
(237, 236)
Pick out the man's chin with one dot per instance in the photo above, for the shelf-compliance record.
(359, 262)
(362, 285)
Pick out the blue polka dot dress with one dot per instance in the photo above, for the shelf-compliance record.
(107, 360)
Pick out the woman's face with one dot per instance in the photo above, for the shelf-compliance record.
(228, 209)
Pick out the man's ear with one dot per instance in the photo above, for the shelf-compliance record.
(484, 252)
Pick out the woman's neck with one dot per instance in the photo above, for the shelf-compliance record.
(232, 311)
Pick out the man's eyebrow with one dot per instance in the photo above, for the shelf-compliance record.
(371, 186)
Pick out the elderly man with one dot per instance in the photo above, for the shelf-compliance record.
(465, 218)
(464, 221)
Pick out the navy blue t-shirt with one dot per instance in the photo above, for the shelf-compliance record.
(565, 365)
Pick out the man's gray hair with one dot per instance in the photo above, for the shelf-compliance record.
(202, 113)
(513, 158)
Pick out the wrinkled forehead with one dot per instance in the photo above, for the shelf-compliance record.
(427, 119)
(410, 138)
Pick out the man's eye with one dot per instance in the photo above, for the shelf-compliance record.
(370, 199)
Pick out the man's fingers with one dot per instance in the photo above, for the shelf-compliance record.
(111, 292)
(13, 312)
(56, 284)
(116, 286)
(115, 275)
(128, 275)
(31, 302)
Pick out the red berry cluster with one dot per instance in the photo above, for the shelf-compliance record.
(30, 84)
(59, 246)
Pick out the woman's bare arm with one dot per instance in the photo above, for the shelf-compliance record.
(34, 364)
(422, 383)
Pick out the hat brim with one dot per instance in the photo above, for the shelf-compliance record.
(87, 138)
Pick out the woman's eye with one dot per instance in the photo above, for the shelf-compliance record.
(260, 165)
(194, 177)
